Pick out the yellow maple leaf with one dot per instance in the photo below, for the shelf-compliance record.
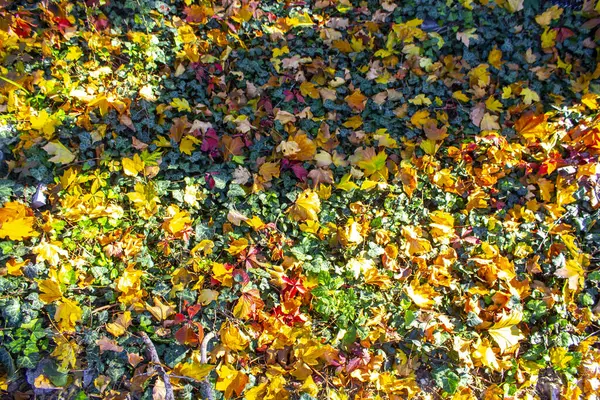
(505, 332)
(230, 381)
(44, 122)
(573, 272)
(65, 351)
(459, 95)
(415, 244)
(132, 166)
(50, 252)
(145, 199)
(193, 369)
(67, 314)
(16, 221)
(424, 296)
(188, 143)
(309, 89)
(374, 164)
(160, 310)
(121, 324)
(356, 100)
(60, 154)
(233, 338)
(484, 353)
(176, 220)
(495, 58)
(237, 246)
(49, 290)
(529, 96)
(180, 104)
(420, 118)
(345, 183)
(306, 207)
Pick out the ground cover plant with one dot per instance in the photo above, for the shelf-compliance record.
(302, 199)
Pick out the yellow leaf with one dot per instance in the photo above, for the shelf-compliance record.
(50, 291)
(49, 252)
(489, 123)
(529, 96)
(230, 381)
(73, 53)
(306, 207)
(495, 58)
(195, 370)
(560, 357)
(573, 272)
(44, 122)
(222, 274)
(485, 354)
(237, 246)
(65, 352)
(180, 104)
(374, 164)
(356, 100)
(16, 221)
(420, 118)
(133, 166)
(414, 243)
(493, 105)
(160, 311)
(14, 267)
(67, 314)
(177, 220)
(121, 324)
(205, 246)
(505, 332)
(233, 338)
(309, 89)
(514, 5)
(424, 296)
(354, 122)
(459, 95)
(61, 155)
(188, 143)
(345, 184)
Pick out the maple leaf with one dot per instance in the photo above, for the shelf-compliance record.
(16, 221)
(120, 325)
(356, 100)
(237, 246)
(485, 354)
(424, 296)
(306, 207)
(230, 381)
(50, 291)
(309, 89)
(529, 96)
(67, 314)
(194, 369)
(573, 272)
(50, 252)
(233, 338)
(160, 310)
(415, 244)
(188, 143)
(306, 148)
(44, 123)
(505, 332)
(133, 166)
(248, 303)
(181, 104)
(66, 351)
(61, 155)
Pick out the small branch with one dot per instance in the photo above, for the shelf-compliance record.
(206, 389)
(161, 371)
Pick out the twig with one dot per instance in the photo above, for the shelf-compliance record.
(205, 387)
(161, 371)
